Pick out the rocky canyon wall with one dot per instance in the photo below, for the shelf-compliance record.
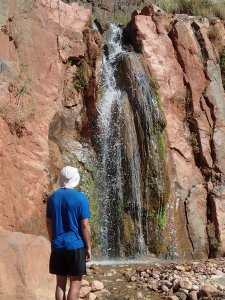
(183, 56)
(47, 80)
(47, 59)
(48, 72)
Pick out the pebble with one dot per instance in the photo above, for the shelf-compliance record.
(180, 281)
(139, 295)
(183, 281)
(119, 280)
(109, 274)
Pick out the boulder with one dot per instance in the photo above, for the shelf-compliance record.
(209, 290)
(96, 286)
(91, 296)
(24, 267)
(84, 291)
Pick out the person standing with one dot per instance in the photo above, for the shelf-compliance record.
(67, 220)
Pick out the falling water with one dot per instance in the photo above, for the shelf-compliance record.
(120, 163)
(109, 121)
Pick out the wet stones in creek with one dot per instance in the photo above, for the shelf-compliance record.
(164, 280)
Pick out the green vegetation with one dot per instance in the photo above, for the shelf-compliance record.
(121, 18)
(15, 116)
(23, 109)
(80, 81)
(155, 87)
(91, 191)
(161, 143)
(222, 67)
(206, 8)
(158, 132)
(22, 85)
(158, 216)
(118, 17)
(194, 142)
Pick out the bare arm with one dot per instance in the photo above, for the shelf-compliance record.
(49, 228)
(86, 231)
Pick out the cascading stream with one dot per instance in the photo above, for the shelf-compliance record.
(109, 121)
(130, 170)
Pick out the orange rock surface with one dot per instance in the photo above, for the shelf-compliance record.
(184, 61)
(39, 37)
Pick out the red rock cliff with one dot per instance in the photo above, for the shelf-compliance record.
(182, 55)
(45, 42)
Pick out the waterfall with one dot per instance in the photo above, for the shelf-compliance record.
(125, 113)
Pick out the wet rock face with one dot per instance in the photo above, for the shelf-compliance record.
(147, 126)
(182, 54)
(46, 44)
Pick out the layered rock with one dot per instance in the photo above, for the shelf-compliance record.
(46, 43)
(184, 62)
(118, 10)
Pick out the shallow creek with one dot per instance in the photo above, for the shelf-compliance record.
(154, 279)
(114, 276)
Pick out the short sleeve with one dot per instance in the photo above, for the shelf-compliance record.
(48, 210)
(84, 208)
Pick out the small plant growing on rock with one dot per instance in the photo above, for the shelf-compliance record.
(158, 216)
(22, 86)
(17, 37)
(194, 142)
(80, 81)
(23, 109)
(213, 33)
(15, 116)
(155, 87)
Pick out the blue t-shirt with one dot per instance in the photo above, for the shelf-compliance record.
(66, 208)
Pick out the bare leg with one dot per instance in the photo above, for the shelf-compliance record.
(60, 291)
(75, 284)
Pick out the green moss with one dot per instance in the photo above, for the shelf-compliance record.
(80, 82)
(158, 132)
(156, 89)
(158, 216)
(161, 143)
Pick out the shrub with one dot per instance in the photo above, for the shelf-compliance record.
(194, 142)
(15, 116)
(80, 81)
(213, 33)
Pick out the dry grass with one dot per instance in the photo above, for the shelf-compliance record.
(204, 8)
(15, 116)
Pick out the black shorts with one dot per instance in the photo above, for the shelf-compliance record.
(68, 262)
